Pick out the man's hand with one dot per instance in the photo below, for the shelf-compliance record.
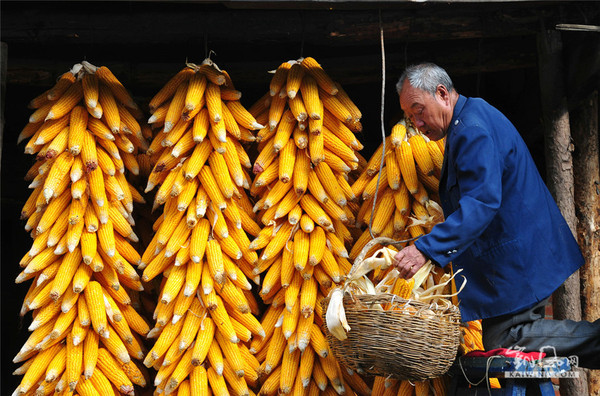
(408, 261)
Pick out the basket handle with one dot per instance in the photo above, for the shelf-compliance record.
(379, 240)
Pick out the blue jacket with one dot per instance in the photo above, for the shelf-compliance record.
(502, 225)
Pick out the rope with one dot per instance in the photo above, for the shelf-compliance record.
(487, 372)
(382, 121)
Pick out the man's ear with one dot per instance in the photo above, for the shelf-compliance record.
(443, 93)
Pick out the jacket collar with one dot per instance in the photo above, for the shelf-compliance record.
(458, 107)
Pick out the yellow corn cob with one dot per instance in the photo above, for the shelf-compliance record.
(106, 77)
(421, 154)
(170, 87)
(333, 143)
(290, 319)
(223, 322)
(203, 341)
(279, 78)
(372, 186)
(338, 128)
(275, 350)
(383, 212)
(289, 202)
(301, 249)
(284, 130)
(74, 366)
(330, 183)
(199, 381)
(99, 129)
(306, 223)
(336, 107)
(216, 382)
(230, 94)
(322, 78)
(57, 145)
(63, 83)
(197, 86)
(336, 163)
(113, 372)
(311, 99)
(115, 345)
(316, 148)
(421, 388)
(95, 303)
(294, 80)
(66, 102)
(200, 125)
(182, 370)
(134, 373)
(47, 132)
(57, 365)
(219, 168)
(295, 213)
(232, 354)
(300, 137)
(393, 171)
(89, 84)
(308, 296)
(436, 154)
(277, 243)
(214, 103)
(165, 340)
(289, 368)
(159, 114)
(316, 188)
(214, 259)
(316, 213)
(216, 76)
(406, 163)
(212, 189)
(37, 368)
(243, 117)
(109, 108)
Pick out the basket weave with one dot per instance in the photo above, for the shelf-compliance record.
(415, 343)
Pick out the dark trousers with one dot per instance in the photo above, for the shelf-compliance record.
(529, 330)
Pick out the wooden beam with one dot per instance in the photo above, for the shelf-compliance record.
(559, 176)
(92, 23)
(459, 57)
(586, 162)
(578, 28)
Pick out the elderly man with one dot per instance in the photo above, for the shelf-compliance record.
(502, 226)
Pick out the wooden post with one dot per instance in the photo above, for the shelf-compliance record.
(559, 176)
(586, 163)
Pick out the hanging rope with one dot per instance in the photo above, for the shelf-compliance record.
(486, 378)
(381, 38)
(382, 121)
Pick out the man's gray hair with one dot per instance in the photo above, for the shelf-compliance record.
(425, 76)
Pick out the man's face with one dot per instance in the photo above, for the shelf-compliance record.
(430, 114)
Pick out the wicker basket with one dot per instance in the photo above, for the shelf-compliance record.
(411, 340)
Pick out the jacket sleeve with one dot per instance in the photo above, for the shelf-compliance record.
(475, 180)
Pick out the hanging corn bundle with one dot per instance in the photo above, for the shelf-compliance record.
(305, 205)
(86, 332)
(408, 213)
(205, 317)
(405, 189)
